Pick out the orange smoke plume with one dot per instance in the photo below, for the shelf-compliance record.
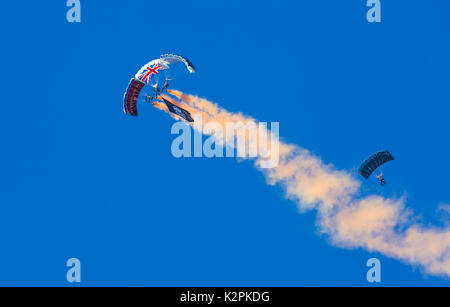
(372, 222)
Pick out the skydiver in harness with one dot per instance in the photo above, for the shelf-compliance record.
(151, 98)
(165, 87)
(380, 177)
(157, 91)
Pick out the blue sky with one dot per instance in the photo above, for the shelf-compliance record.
(81, 179)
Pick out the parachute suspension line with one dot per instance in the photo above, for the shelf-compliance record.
(170, 74)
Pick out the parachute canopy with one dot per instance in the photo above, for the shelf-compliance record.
(155, 73)
(151, 72)
(373, 162)
(173, 58)
(131, 97)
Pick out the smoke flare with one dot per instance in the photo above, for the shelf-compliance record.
(373, 222)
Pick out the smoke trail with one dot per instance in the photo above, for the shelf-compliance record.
(373, 222)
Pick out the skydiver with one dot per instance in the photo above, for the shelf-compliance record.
(165, 87)
(380, 177)
(157, 91)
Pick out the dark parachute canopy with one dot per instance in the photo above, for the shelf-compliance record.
(131, 97)
(373, 162)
